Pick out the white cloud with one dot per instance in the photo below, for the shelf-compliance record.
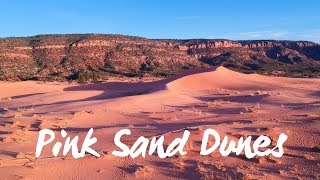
(264, 34)
(307, 35)
(312, 35)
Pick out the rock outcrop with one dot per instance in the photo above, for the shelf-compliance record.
(60, 57)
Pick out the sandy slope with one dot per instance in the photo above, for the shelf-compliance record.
(234, 104)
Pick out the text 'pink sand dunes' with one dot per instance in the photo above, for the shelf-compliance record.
(234, 104)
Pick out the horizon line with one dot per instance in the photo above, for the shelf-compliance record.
(181, 39)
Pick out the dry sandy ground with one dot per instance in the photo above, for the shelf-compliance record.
(232, 103)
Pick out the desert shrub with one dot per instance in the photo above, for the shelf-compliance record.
(85, 76)
(120, 47)
(95, 77)
(147, 66)
(253, 66)
(81, 78)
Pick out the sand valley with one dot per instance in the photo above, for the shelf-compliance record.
(234, 104)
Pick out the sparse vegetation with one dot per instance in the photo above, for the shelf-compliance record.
(65, 57)
(85, 76)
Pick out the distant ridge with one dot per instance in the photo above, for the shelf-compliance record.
(90, 57)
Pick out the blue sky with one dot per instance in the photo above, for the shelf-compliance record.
(230, 19)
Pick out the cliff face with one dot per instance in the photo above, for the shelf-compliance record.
(59, 57)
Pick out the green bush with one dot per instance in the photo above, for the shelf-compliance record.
(84, 76)
(81, 78)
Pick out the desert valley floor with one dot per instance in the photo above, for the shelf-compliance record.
(234, 104)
